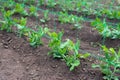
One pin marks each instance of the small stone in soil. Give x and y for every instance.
(5, 46)
(54, 66)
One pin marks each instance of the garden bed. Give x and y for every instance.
(20, 61)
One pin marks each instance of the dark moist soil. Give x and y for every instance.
(19, 61)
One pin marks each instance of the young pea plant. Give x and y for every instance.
(66, 18)
(66, 6)
(55, 45)
(61, 50)
(22, 30)
(36, 36)
(78, 7)
(107, 31)
(21, 21)
(77, 22)
(58, 48)
(50, 3)
(109, 63)
(41, 2)
(73, 60)
(116, 14)
(7, 5)
(46, 16)
(116, 32)
(19, 8)
(112, 14)
(7, 23)
(33, 10)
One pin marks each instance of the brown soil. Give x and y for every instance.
(19, 61)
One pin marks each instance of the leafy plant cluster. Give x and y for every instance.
(85, 7)
(62, 49)
(109, 63)
(66, 18)
(33, 11)
(7, 4)
(81, 6)
(34, 37)
(112, 14)
(18, 8)
(106, 30)
(7, 22)
(66, 50)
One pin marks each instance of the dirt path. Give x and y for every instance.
(10, 65)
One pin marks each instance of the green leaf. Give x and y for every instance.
(112, 51)
(42, 20)
(116, 78)
(77, 45)
(74, 64)
(33, 43)
(105, 49)
(95, 66)
(60, 34)
(46, 30)
(19, 26)
(119, 53)
(57, 55)
(106, 71)
(8, 13)
(66, 44)
(84, 55)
